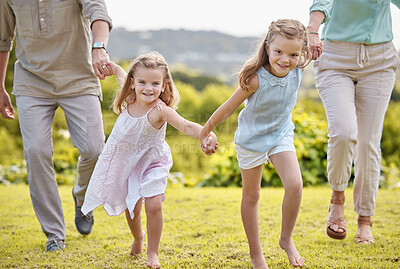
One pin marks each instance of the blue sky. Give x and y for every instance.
(240, 18)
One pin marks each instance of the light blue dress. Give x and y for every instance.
(267, 116)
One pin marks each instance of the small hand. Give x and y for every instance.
(209, 145)
(100, 63)
(315, 45)
(319, 48)
(113, 67)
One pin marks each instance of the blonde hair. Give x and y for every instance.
(291, 29)
(153, 60)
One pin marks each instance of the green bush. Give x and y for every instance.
(211, 98)
(188, 158)
(390, 176)
(225, 170)
(311, 145)
(390, 138)
(15, 173)
(197, 80)
(190, 101)
(11, 147)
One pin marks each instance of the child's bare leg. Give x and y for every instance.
(287, 166)
(251, 180)
(153, 206)
(135, 225)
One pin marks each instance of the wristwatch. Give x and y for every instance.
(99, 45)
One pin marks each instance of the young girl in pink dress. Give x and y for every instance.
(135, 163)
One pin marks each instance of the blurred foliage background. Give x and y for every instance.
(201, 95)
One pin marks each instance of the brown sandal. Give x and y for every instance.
(360, 239)
(340, 222)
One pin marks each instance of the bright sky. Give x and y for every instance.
(240, 18)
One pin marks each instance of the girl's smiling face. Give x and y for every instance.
(148, 84)
(283, 54)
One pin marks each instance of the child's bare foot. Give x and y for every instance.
(137, 245)
(152, 260)
(259, 263)
(294, 257)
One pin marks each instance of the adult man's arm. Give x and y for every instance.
(6, 108)
(7, 32)
(101, 25)
(100, 32)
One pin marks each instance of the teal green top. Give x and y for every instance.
(357, 21)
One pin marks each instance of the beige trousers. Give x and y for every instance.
(355, 82)
(85, 125)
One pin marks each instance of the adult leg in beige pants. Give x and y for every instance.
(355, 96)
(84, 120)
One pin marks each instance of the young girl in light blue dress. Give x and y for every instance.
(268, 85)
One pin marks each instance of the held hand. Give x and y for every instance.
(209, 144)
(100, 63)
(320, 48)
(112, 67)
(203, 141)
(6, 109)
(315, 45)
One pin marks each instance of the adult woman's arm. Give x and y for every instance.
(316, 18)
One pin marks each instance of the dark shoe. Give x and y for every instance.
(83, 223)
(54, 245)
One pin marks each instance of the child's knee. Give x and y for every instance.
(295, 186)
(153, 206)
(251, 197)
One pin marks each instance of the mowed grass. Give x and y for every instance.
(202, 229)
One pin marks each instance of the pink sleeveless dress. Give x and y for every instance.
(134, 164)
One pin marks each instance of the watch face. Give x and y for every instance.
(98, 44)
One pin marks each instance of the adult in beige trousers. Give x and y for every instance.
(354, 75)
(57, 63)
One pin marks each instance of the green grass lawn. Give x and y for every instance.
(202, 229)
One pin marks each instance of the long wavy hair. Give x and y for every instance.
(291, 29)
(153, 60)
